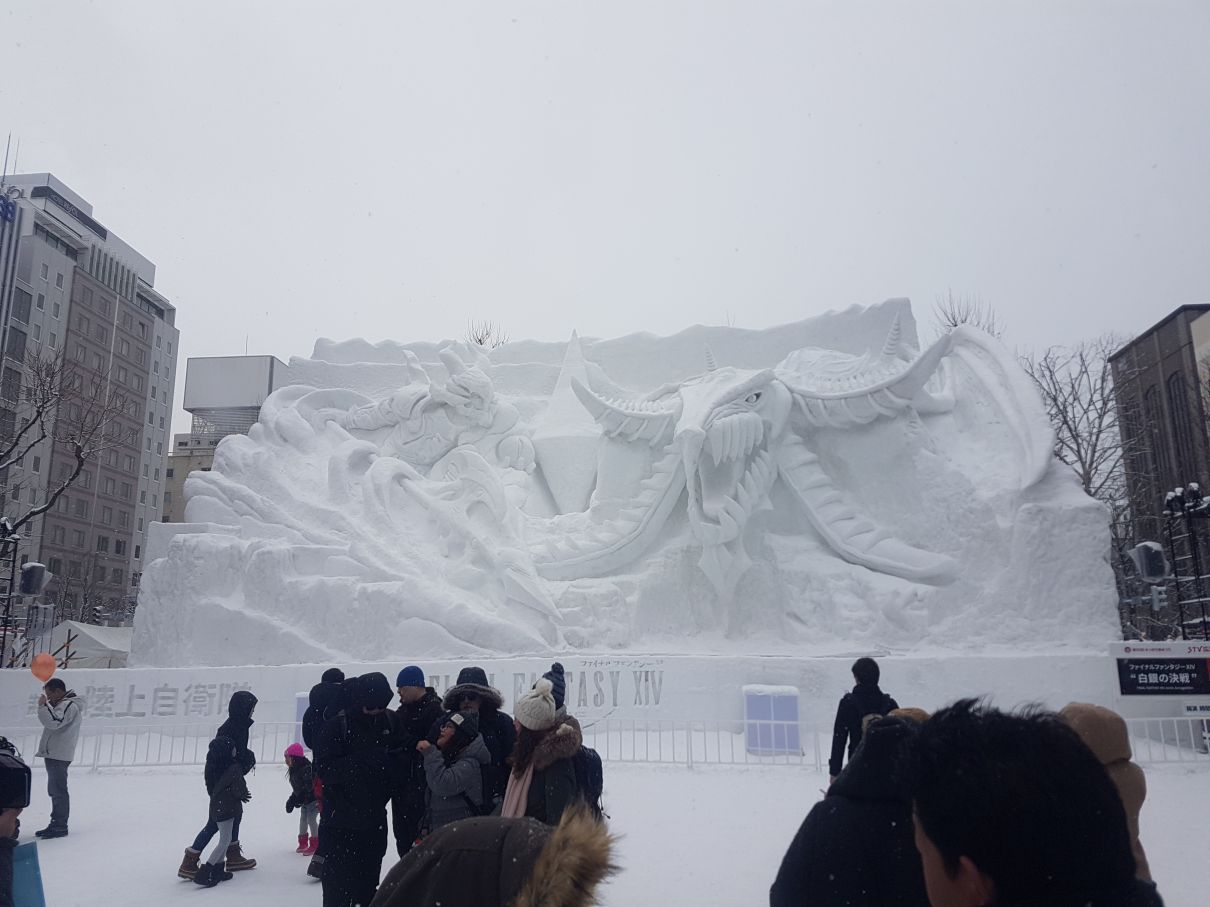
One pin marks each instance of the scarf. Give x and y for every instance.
(516, 795)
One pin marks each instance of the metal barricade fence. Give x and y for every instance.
(634, 740)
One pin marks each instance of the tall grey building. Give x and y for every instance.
(72, 288)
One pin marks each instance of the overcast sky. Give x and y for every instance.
(391, 170)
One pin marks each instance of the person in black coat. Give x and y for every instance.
(323, 702)
(856, 846)
(228, 792)
(235, 729)
(865, 699)
(352, 759)
(324, 697)
(472, 693)
(419, 709)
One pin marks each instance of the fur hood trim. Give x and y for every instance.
(562, 742)
(454, 696)
(575, 860)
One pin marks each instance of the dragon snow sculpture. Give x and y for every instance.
(723, 438)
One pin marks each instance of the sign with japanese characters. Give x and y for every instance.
(1164, 676)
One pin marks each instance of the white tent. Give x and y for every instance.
(77, 645)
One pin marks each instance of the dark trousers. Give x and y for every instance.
(211, 829)
(353, 864)
(56, 786)
(407, 811)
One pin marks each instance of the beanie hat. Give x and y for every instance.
(558, 685)
(536, 709)
(369, 691)
(465, 724)
(473, 675)
(411, 676)
(333, 675)
(295, 751)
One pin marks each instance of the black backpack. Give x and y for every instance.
(590, 778)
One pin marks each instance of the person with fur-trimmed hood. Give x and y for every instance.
(497, 862)
(542, 783)
(471, 693)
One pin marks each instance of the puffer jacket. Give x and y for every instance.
(856, 846)
(451, 785)
(1104, 732)
(229, 794)
(60, 727)
(553, 787)
(494, 862)
(239, 720)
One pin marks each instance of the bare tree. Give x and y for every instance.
(952, 310)
(488, 334)
(1076, 384)
(75, 408)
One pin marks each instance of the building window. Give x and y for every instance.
(45, 270)
(82, 508)
(77, 538)
(158, 342)
(124, 347)
(57, 536)
(169, 473)
(16, 344)
(10, 385)
(37, 464)
(55, 309)
(21, 305)
(140, 528)
(167, 499)
(103, 543)
(123, 519)
(134, 578)
(59, 279)
(146, 469)
(123, 375)
(107, 516)
(150, 417)
(138, 552)
(41, 301)
(54, 341)
(107, 485)
(126, 491)
(117, 576)
(161, 422)
(55, 565)
(119, 546)
(98, 574)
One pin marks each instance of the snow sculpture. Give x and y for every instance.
(854, 491)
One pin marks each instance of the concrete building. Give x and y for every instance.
(1160, 383)
(224, 395)
(77, 291)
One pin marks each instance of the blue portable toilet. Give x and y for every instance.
(771, 720)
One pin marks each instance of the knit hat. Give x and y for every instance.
(465, 724)
(333, 675)
(411, 676)
(558, 685)
(536, 709)
(295, 751)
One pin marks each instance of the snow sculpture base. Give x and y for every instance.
(816, 487)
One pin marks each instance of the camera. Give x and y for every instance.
(15, 778)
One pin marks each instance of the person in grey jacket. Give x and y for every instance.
(453, 770)
(60, 711)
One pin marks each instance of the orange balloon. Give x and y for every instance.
(43, 666)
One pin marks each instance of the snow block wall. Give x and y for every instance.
(818, 488)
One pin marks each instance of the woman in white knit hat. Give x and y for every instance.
(543, 779)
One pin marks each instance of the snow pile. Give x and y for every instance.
(820, 486)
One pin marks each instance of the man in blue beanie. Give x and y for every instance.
(419, 709)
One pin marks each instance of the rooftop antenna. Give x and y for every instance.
(17, 155)
(4, 175)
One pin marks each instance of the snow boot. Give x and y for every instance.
(302, 844)
(236, 859)
(315, 869)
(312, 844)
(206, 876)
(221, 875)
(189, 865)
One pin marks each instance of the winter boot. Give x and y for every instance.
(206, 876)
(236, 859)
(312, 843)
(302, 844)
(221, 875)
(315, 869)
(189, 865)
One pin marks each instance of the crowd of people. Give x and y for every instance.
(971, 807)
(968, 807)
(460, 775)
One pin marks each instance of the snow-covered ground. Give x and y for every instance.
(708, 836)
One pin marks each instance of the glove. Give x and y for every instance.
(290, 804)
(247, 796)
